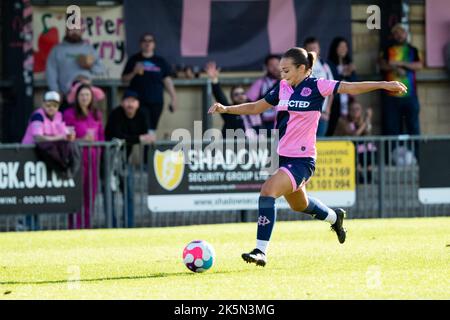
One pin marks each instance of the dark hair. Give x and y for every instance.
(270, 57)
(75, 82)
(300, 56)
(332, 54)
(351, 100)
(146, 34)
(309, 40)
(92, 108)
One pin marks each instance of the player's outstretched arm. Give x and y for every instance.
(246, 108)
(355, 88)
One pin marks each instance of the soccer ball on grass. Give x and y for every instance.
(198, 256)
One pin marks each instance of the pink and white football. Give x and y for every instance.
(198, 256)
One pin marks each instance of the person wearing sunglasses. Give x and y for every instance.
(149, 74)
(46, 123)
(238, 96)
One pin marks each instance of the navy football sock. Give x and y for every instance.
(320, 211)
(266, 221)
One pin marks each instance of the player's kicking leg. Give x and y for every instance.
(273, 188)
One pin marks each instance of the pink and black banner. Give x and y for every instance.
(236, 34)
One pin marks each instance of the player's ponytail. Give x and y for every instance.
(300, 57)
(312, 56)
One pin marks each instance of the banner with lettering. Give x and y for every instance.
(29, 186)
(232, 179)
(103, 28)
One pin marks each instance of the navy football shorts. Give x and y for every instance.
(299, 170)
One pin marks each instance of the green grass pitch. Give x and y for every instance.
(382, 259)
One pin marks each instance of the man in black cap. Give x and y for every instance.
(128, 122)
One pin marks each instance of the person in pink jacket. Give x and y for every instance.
(46, 123)
(87, 122)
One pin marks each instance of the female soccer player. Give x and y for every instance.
(298, 101)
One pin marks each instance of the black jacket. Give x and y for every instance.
(121, 127)
(64, 157)
(230, 121)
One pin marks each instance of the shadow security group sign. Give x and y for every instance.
(28, 186)
(232, 179)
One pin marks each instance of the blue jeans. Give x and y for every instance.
(128, 203)
(401, 115)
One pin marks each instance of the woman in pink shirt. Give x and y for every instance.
(46, 123)
(298, 101)
(87, 121)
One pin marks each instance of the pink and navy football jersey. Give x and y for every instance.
(298, 112)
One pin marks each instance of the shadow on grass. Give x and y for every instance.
(151, 276)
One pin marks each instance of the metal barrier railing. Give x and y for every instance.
(388, 179)
(387, 183)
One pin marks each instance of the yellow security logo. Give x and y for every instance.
(169, 168)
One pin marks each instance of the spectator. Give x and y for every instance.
(237, 95)
(99, 95)
(87, 121)
(46, 123)
(358, 123)
(343, 69)
(191, 72)
(399, 62)
(129, 123)
(321, 69)
(69, 59)
(263, 85)
(148, 74)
